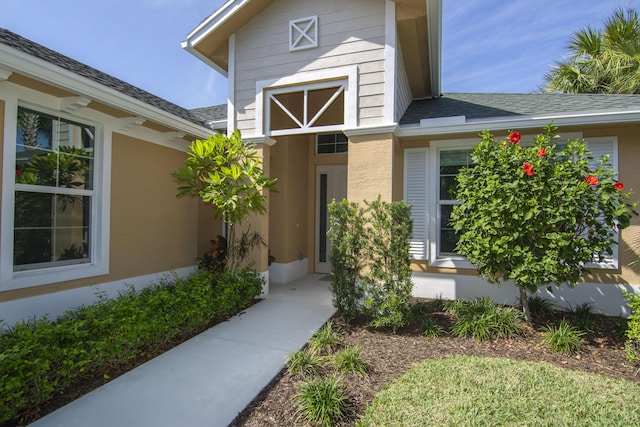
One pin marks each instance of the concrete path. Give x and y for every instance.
(209, 379)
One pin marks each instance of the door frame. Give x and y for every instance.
(332, 172)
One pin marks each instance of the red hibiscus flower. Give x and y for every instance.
(591, 180)
(17, 172)
(528, 168)
(618, 186)
(542, 152)
(514, 137)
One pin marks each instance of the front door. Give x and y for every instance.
(331, 183)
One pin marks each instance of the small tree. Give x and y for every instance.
(537, 215)
(227, 173)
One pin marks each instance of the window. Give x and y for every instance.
(331, 143)
(54, 191)
(450, 162)
(55, 203)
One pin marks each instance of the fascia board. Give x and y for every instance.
(42, 70)
(572, 119)
(434, 16)
(216, 19)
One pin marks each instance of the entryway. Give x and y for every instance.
(331, 183)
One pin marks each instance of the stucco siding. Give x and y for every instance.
(148, 223)
(350, 34)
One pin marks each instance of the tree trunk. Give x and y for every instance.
(524, 299)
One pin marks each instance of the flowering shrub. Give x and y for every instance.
(537, 215)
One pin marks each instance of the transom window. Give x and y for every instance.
(331, 143)
(54, 191)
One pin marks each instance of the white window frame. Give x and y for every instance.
(436, 259)
(303, 33)
(100, 206)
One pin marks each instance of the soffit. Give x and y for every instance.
(216, 30)
(413, 34)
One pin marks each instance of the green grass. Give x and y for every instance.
(482, 391)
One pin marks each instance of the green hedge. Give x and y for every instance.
(41, 358)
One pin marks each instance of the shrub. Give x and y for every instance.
(632, 344)
(482, 319)
(304, 363)
(350, 360)
(322, 400)
(537, 215)
(564, 338)
(40, 358)
(430, 329)
(540, 306)
(582, 316)
(346, 233)
(388, 276)
(326, 340)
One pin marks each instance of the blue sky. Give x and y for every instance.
(488, 45)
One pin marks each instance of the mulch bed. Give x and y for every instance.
(389, 355)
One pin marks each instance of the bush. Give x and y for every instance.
(322, 401)
(346, 233)
(304, 363)
(482, 319)
(326, 340)
(370, 261)
(564, 338)
(41, 357)
(350, 360)
(632, 344)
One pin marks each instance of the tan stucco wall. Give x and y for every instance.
(259, 258)
(629, 174)
(288, 206)
(148, 223)
(370, 171)
(208, 227)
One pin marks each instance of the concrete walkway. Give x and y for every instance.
(209, 379)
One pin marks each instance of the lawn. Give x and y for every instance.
(598, 369)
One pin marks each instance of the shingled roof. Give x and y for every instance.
(494, 105)
(27, 46)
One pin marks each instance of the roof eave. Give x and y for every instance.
(39, 69)
(524, 122)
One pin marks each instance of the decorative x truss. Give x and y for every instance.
(303, 33)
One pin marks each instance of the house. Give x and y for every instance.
(87, 197)
(343, 99)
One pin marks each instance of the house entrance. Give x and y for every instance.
(331, 183)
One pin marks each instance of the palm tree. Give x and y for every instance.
(601, 61)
